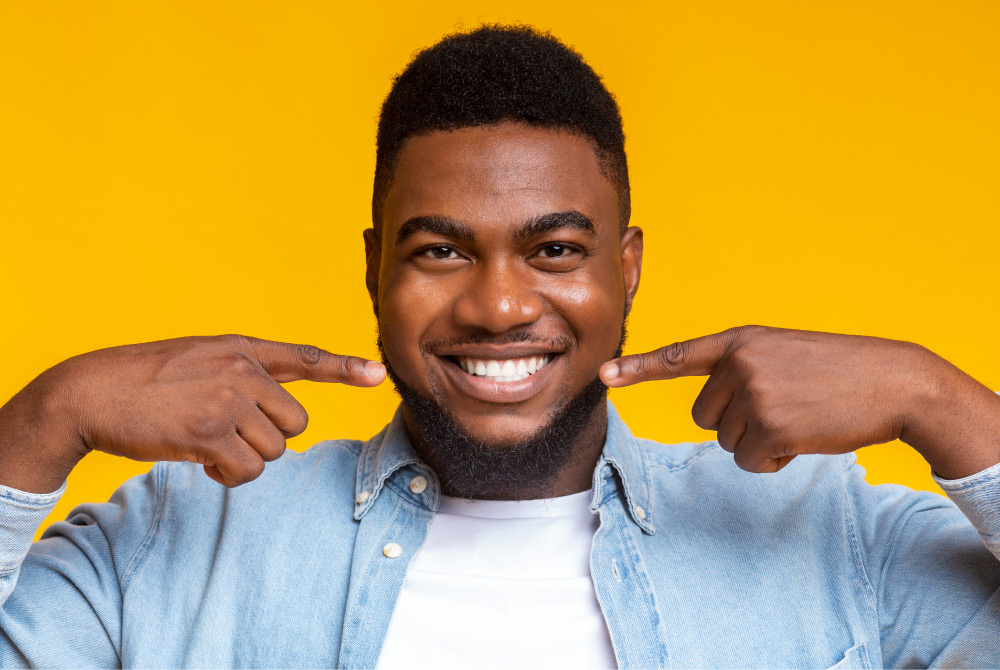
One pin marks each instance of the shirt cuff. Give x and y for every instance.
(21, 513)
(978, 496)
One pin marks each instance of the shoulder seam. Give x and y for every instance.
(353, 446)
(703, 449)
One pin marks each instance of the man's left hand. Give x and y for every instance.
(774, 394)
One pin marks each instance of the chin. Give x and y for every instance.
(502, 427)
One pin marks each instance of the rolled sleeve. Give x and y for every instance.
(978, 496)
(21, 513)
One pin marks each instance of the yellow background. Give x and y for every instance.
(180, 168)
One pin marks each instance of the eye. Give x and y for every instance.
(557, 257)
(439, 252)
(554, 251)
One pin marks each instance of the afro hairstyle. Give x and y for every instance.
(496, 74)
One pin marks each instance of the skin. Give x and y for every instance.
(489, 275)
(772, 394)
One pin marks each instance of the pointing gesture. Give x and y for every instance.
(217, 401)
(773, 394)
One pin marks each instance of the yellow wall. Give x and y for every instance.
(179, 168)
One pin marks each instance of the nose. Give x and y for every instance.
(498, 298)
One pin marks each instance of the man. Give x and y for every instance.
(505, 516)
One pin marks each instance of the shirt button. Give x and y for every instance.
(363, 497)
(640, 512)
(418, 484)
(392, 550)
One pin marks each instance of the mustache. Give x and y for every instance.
(513, 337)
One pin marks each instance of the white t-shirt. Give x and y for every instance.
(502, 584)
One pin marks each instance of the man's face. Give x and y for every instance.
(501, 253)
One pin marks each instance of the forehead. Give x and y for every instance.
(504, 174)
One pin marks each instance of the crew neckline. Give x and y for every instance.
(575, 504)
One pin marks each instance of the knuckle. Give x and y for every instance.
(742, 358)
(351, 364)
(248, 465)
(752, 460)
(298, 421)
(308, 355)
(700, 415)
(224, 396)
(253, 465)
(672, 355)
(697, 411)
(236, 340)
(275, 449)
(241, 365)
(757, 392)
(743, 460)
(784, 446)
(749, 330)
(247, 473)
(775, 425)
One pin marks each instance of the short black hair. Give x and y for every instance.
(494, 74)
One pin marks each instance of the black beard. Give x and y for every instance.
(518, 469)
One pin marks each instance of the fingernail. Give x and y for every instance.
(611, 371)
(374, 370)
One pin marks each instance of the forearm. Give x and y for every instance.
(38, 449)
(954, 423)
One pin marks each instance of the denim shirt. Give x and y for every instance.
(695, 564)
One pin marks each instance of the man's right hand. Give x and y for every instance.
(217, 401)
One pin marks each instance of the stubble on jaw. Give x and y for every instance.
(523, 468)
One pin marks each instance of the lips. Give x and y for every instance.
(503, 370)
(493, 386)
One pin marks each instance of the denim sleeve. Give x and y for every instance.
(933, 582)
(978, 496)
(62, 597)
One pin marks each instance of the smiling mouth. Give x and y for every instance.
(502, 370)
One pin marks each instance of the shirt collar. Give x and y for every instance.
(622, 456)
(381, 456)
(390, 450)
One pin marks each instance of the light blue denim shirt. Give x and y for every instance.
(696, 563)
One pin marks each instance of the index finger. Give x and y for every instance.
(690, 358)
(287, 362)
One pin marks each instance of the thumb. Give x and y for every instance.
(690, 358)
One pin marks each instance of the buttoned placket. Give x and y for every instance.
(395, 501)
(398, 495)
(621, 580)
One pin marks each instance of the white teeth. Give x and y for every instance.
(509, 370)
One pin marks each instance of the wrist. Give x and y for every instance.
(39, 444)
(953, 421)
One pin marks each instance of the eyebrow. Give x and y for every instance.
(554, 221)
(439, 225)
(457, 230)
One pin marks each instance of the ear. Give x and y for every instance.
(373, 262)
(631, 248)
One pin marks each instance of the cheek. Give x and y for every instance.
(593, 307)
(408, 307)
